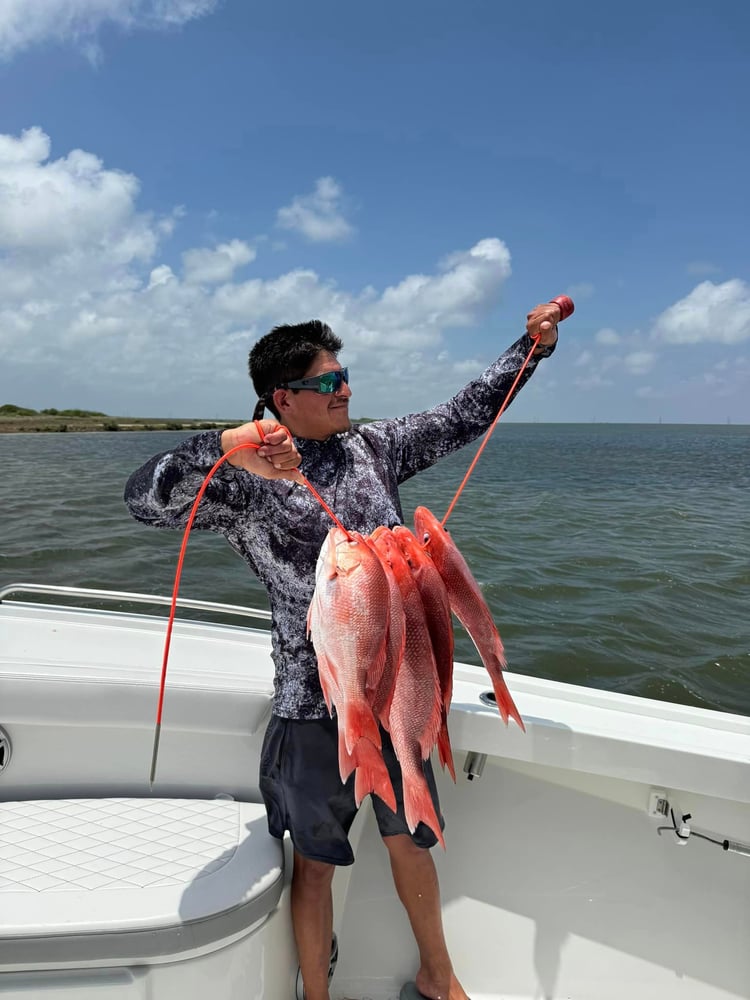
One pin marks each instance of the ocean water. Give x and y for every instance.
(611, 555)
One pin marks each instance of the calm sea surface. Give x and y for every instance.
(611, 555)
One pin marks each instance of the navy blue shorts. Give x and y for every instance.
(304, 794)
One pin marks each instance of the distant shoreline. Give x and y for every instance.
(40, 423)
(55, 424)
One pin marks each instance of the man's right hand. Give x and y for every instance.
(277, 456)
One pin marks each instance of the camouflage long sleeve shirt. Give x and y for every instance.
(278, 527)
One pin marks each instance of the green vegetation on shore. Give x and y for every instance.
(21, 419)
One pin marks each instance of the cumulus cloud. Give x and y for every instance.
(92, 291)
(69, 205)
(318, 216)
(710, 313)
(207, 266)
(25, 23)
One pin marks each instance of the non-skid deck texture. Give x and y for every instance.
(112, 843)
(131, 879)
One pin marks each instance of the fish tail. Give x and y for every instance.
(358, 722)
(444, 749)
(506, 705)
(372, 775)
(418, 806)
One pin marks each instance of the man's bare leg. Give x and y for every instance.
(312, 918)
(416, 882)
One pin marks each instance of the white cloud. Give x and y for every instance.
(160, 276)
(318, 216)
(470, 280)
(24, 23)
(67, 206)
(639, 362)
(89, 295)
(710, 313)
(206, 266)
(607, 336)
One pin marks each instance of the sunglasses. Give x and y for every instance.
(326, 383)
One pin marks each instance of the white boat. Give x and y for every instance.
(557, 882)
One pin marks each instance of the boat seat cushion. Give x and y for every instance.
(128, 879)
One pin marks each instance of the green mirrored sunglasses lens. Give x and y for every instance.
(329, 382)
(332, 381)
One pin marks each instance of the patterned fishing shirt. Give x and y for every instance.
(278, 527)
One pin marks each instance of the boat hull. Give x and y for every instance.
(555, 882)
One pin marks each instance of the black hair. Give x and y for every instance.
(285, 354)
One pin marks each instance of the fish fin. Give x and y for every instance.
(432, 729)
(326, 676)
(383, 698)
(418, 805)
(506, 705)
(347, 761)
(357, 721)
(377, 668)
(444, 749)
(372, 775)
(383, 701)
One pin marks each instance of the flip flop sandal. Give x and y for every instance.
(409, 991)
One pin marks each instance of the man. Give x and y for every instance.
(278, 527)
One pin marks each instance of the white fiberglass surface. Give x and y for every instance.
(555, 892)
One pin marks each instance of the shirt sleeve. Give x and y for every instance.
(163, 491)
(417, 441)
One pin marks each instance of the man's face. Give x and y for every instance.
(315, 415)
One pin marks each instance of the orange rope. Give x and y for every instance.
(326, 508)
(178, 575)
(488, 435)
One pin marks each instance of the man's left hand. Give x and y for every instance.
(542, 321)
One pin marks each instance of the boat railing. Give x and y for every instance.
(14, 590)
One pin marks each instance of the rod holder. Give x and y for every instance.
(474, 764)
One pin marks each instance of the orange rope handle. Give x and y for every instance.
(306, 481)
(488, 435)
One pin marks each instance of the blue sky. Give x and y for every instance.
(177, 176)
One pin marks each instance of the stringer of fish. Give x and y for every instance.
(380, 623)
